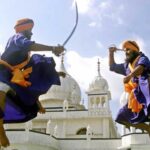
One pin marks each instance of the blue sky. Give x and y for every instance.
(101, 23)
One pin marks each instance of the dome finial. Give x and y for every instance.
(62, 67)
(62, 58)
(98, 64)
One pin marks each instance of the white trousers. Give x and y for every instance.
(4, 87)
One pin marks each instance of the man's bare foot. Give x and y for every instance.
(3, 138)
(147, 128)
(143, 127)
(127, 125)
(42, 110)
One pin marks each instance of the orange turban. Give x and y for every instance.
(24, 24)
(131, 45)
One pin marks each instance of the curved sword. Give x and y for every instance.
(74, 28)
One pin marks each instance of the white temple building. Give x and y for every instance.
(68, 125)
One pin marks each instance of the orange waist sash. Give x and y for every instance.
(19, 74)
(133, 103)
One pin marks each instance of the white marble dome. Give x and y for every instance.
(99, 83)
(69, 89)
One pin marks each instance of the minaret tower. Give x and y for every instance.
(98, 101)
(98, 92)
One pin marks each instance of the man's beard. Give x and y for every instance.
(27, 34)
(131, 57)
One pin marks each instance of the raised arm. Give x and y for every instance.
(111, 55)
(118, 68)
(57, 50)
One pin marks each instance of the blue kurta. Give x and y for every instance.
(23, 106)
(142, 92)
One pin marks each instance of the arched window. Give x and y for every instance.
(103, 101)
(97, 101)
(81, 131)
(91, 102)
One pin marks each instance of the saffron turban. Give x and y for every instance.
(131, 45)
(23, 24)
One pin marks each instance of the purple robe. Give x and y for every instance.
(23, 106)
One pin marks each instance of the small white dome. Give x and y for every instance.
(99, 84)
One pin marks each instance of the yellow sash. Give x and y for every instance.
(19, 74)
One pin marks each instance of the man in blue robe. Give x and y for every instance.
(23, 78)
(136, 69)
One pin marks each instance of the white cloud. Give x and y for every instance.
(1, 49)
(82, 69)
(104, 5)
(110, 11)
(98, 11)
(92, 24)
(84, 5)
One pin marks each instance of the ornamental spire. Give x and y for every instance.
(98, 69)
(62, 67)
